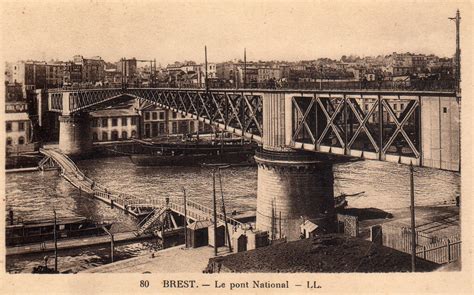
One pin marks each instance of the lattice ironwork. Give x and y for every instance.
(357, 124)
(232, 110)
(384, 125)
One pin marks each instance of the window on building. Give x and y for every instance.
(124, 121)
(105, 136)
(154, 115)
(134, 133)
(9, 141)
(95, 136)
(21, 126)
(147, 116)
(114, 121)
(154, 129)
(94, 123)
(21, 140)
(366, 107)
(134, 121)
(147, 130)
(105, 122)
(394, 106)
(402, 107)
(191, 127)
(161, 128)
(9, 126)
(174, 115)
(445, 110)
(162, 115)
(124, 134)
(174, 127)
(114, 136)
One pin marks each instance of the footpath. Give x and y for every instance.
(171, 260)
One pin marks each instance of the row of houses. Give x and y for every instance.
(122, 122)
(95, 71)
(126, 122)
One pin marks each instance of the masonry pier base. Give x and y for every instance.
(74, 135)
(293, 187)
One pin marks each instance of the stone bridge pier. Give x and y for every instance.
(293, 186)
(74, 134)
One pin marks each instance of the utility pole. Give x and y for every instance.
(457, 19)
(245, 68)
(412, 211)
(214, 167)
(215, 209)
(185, 221)
(205, 65)
(55, 244)
(223, 210)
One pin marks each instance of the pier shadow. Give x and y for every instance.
(367, 213)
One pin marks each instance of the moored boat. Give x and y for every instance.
(38, 231)
(194, 154)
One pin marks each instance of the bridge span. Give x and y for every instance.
(300, 131)
(150, 209)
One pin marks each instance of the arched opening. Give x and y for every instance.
(21, 140)
(134, 134)
(9, 141)
(95, 136)
(105, 136)
(124, 134)
(114, 135)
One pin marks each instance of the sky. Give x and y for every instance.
(269, 30)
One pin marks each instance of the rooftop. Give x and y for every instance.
(328, 253)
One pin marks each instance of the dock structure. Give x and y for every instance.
(150, 208)
(74, 243)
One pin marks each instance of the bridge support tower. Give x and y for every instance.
(292, 186)
(74, 134)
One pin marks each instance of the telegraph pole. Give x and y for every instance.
(245, 68)
(223, 209)
(457, 19)
(185, 221)
(412, 211)
(55, 244)
(205, 65)
(214, 208)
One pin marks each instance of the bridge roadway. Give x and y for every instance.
(133, 205)
(419, 127)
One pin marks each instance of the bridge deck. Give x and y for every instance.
(133, 205)
(403, 126)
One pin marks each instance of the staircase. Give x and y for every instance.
(155, 215)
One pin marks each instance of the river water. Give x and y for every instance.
(34, 195)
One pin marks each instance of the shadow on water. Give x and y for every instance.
(367, 213)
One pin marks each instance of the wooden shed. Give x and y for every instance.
(197, 233)
(220, 235)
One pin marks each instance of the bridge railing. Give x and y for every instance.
(325, 84)
(71, 172)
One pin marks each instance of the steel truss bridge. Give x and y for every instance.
(419, 127)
